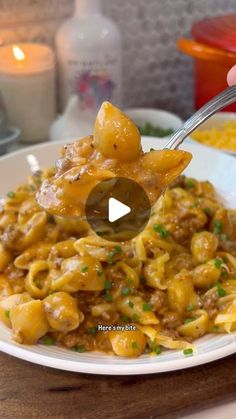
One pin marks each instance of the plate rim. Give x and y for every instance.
(110, 368)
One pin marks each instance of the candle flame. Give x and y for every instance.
(18, 53)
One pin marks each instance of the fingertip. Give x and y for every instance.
(231, 76)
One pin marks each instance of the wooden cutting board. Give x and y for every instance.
(32, 391)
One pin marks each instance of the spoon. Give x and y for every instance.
(225, 98)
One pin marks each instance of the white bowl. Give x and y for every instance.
(157, 117)
(207, 163)
(217, 121)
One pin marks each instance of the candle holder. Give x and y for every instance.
(27, 82)
(8, 135)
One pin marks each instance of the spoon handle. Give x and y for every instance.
(225, 98)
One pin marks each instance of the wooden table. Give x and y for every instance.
(32, 391)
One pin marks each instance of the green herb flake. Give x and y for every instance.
(125, 319)
(157, 350)
(92, 330)
(7, 314)
(117, 249)
(190, 307)
(100, 272)
(218, 262)
(80, 348)
(84, 269)
(161, 229)
(152, 149)
(48, 340)
(125, 290)
(214, 329)
(100, 233)
(188, 320)
(151, 130)
(189, 183)
(32, 188)
(188, 351)
(11, 194)
(130, 304)
(221, 291)
(147, 307)
(207, 211)
(107, 297)
(218, 225)
(135, 317)
(134, 345)
(108, 285)
(142, 279)
(224, 237)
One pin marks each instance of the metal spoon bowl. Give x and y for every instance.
(225, 98)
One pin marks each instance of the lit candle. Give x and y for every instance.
(27, 83)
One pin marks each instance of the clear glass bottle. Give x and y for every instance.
(89, 59)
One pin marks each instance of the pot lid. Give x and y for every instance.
(218, 32)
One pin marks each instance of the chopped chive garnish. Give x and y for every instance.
(142, 278)
(134, 345)
(190, 307)
(214, 329)
(48, 340)
(125, 290)
(218, 263)
(157, 350)
(207, 211)
(85, 269)
(108, 284)
(147, 307)
(152, 149)
(11, 194)
(188, 351)
(117, 249)
(218, 225)
(107, 297)
(135, 317)
(224, 237)
(7, 314)
(161, 229)
(189, 183)
(188, 320)
(221, 291)
(100, 272)
(92, 331)
(131, 305)
(125, 319)
(80, 348)
(100, 233)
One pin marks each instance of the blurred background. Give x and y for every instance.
(155, 74)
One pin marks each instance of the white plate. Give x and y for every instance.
(209, 164)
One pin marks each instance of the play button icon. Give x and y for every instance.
(117, 209)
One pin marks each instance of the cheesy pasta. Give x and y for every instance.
(62, 284)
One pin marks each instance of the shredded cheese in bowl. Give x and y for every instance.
(223, 137)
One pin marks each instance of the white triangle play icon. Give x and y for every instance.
(117, 210)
